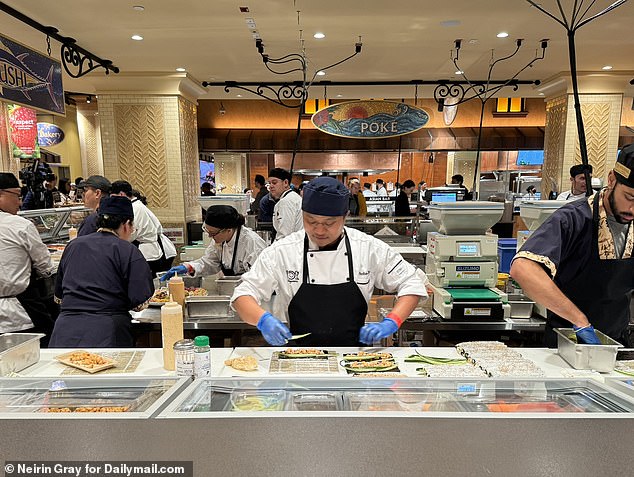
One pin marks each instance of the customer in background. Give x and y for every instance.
(64, 191)
(357, 206)
(25, 263)
(76, 194)
(401, 205)
(381, 191)
(94, 189)
(367, 190)
(577, 183)
(531, 193)
(233, 250)
(157, 249)
(206, 189)
(99, 279)
(267, 206)
(459, 180)
(287, 214)
(260, 185)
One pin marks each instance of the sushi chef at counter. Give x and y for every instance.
(324, 277)
(579, 264)
(233, 250)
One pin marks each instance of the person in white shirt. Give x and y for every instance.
(367, 190)
(287, 214)
(226, 227)
(24, 261)
(158, 250)
(531, 193)
(324, 277)
(577, 183)
(381, 191)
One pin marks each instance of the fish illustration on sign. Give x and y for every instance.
(370, 119)
(17, 76)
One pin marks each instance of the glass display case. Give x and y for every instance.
(121, 397)
(53, 224)
(365, 397)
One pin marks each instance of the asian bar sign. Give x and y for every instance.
(30, 78)
(370, 119)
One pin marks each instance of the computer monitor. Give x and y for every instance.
(444, 196)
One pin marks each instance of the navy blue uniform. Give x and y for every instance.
(100, 278)
(89, 225)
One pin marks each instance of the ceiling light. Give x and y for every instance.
(137, 37)
(459, 72)
(319, 35)
(541, 94)
(238, 96)
(339, 95)
(502, 34)
(607, 67)
(180, 69)
(321, 73)
(88, 99)
(138, 8)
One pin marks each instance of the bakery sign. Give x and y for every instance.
(49, 134)
(370, 119)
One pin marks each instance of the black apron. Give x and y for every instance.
(601, 291)
(334, 314)
(228, 272)
(37, 301)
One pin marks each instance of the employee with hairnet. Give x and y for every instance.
(324, 277)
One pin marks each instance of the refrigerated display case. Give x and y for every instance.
(53, 224)
(102, 397)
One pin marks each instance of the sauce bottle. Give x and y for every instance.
(72, 233)
(171, 331)
(176, 287)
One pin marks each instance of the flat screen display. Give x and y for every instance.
(468, 249)
(443, 196)
(530, 158)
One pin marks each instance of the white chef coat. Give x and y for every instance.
(21, 249)
(382, 192)
(287, 214)
(368, 193)
(146, 230)
(250, 245)
(569, 196)
(279, 268)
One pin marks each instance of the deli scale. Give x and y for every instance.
(462, 261)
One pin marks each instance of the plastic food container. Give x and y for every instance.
(583, 356)
(255, 401)
(18, 351)
(326, 401)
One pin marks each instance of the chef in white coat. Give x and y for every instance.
(226, 227)
(324, 277)
(287, 214)
(23, 259)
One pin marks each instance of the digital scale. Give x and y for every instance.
(462, 261)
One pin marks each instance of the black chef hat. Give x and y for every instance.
(116, 205)
(624, 167)
(579, 169)
(326, 196)
(8, 181)
(223, 217)
(281, 174)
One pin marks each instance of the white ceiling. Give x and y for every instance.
(402, 40)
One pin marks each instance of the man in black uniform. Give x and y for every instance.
(579, 264)
(93, 190)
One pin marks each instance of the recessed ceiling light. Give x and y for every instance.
(459, 72)
(138, 8)
(339, 95)
(319, 35)
(541, 94)
(137, 37)
(238, 96)
(180, 69)
(502, 34)
(607, 67)
(321, 73)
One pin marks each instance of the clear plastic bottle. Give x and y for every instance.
(202, 357)
(184, 357)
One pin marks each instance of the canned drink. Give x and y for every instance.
(184, 357)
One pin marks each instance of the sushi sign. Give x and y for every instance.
(370, 119)
(30, 78)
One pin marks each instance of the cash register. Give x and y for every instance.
(462, 261)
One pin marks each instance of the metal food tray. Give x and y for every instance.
(18, 351)
(584, 356)
(202, 307)
(521, 306)
(226, 285)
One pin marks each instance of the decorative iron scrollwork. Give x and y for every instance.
(289, 95)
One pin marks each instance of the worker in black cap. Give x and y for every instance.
(233, 250)
(24, 263)
(579, 264)
(93, 190)
(101, 277)
(324, 277)
(577, 183)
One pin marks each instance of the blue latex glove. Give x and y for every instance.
(586, 335)
(177, 270)
(373, 332)
(274, 331)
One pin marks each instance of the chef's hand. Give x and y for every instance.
(373, 332)
(177, 270)
(274, 331)
(586, 335)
